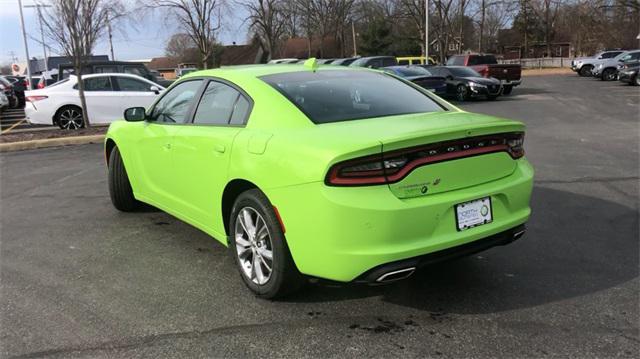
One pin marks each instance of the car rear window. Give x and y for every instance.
(332, 96)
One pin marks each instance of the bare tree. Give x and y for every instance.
(200, 19)
(267, 20)
(182, 48)
(75, 26)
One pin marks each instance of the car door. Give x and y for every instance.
(153, 148)
(102, 101)
(202, 151)
(135, 92)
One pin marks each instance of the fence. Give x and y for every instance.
(540, 62)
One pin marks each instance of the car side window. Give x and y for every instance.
(240, 111)
(130, 84)
(102, 83)
(133, 70)
(388, 62)
(174, 106)
(220, 105)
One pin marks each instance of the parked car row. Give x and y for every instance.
(465, 76)
(610, 65)
(8, 90)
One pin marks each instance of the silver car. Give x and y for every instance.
(607, 70)
(584, 65)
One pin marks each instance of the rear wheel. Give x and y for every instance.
(260, 249)
(119, 186)
(462, 93)
(585, 71)
(70, 118)
(507, 90)
(608, 75)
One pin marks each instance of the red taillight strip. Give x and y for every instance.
(335, 180)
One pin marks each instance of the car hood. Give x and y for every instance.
(483, 80)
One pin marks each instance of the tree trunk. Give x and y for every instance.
(83, 101)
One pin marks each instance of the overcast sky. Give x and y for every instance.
(144, 39)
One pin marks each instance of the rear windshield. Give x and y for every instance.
(338, 95)
(464, 72)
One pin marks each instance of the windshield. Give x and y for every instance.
(411, 71)
(464, 72)
(339, 95)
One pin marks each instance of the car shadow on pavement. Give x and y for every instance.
(575, 245)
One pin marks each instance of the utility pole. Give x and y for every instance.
(113, 58)
(426, 32)
(44, 46)
(353, 35)
(24, 38)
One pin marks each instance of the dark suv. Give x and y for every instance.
(122, 67)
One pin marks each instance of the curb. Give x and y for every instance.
(50, 142)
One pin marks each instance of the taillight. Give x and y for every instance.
(41, 84)
(26, 83)
(391, 167)
(35, 98)
(484, 71)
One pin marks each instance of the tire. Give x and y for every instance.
(608, 75)
(585, 71)
(69, 118)
(119, 186)
(492, 97)
(462, 93)
(507, 90)
(636, 80)
(252, 209)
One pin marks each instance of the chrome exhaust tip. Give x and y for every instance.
(518, 234)
(396, 275)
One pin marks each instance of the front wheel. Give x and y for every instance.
(119, 186)
(260, 249)
(462, 93)
(585, 71)
(608, 75)
(70, 118)
(507, 90)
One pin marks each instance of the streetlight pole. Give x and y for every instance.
(24, 38)
(426, 32)
(44, 46)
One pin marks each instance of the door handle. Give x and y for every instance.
(167, 146)
(219, 148)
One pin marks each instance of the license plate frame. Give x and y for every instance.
(473, 213)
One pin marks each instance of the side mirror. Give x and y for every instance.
(135, 114)
(155, 89)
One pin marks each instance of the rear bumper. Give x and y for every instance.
(34, 116)
(340, 233)
(380, 274)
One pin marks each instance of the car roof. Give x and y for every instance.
(254, 71)
(110, 74)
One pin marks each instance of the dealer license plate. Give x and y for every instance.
(473, 213)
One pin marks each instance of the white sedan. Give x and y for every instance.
(107, 96)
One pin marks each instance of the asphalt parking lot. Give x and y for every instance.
(79, 279)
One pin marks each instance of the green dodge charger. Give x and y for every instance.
(306, 171)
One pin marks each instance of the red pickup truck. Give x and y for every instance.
(487, 66)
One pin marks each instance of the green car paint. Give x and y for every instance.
(333, 232)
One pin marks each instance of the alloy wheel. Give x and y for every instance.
(609, 75)
(253, 246)
(70, 119)
(461, 93)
